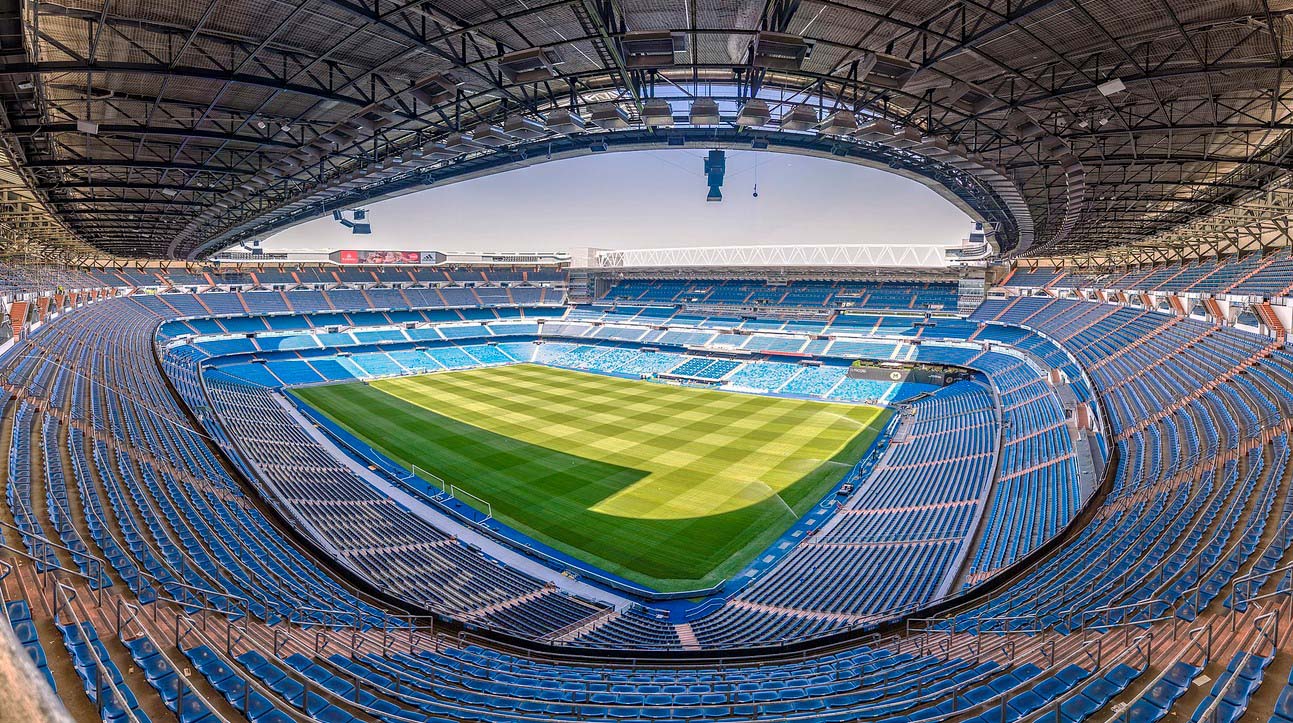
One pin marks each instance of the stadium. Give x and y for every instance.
(1038, 474)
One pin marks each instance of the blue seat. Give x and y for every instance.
(1163, 693)
(17, 610)
(1143, 711)
(1079, 707)
(1252, 667)
(333, 714)
(1100, 690)
(37, 655)
(155, 668)
(1224, 712)
(1181, 674)
(254, 705)
(314, 703)
(141, 648)
(1051, 688)
(1026, 702)
(1121, 675)
(230, 686)
(288, 688)
(193, 710)
(26, 632)
(1240, 690)
(201, 655)
(976, 696)
(215, 671)
(1284, 703)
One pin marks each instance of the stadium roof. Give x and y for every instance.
(776, 257)
(1071, 126)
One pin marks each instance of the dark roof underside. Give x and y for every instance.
(219, 119)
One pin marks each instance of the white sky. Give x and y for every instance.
(646, 199)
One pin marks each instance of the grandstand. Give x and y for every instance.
(1039, 476)
(1082, 427)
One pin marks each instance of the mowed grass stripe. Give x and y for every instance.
(672, 487)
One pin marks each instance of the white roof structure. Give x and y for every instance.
(815, 256)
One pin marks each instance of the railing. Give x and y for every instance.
(1247, 588)
(23, 689)
(1267, 629)
(319, 644)
(63, 597)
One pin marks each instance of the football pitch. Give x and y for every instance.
(672, 487)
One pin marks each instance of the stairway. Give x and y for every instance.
(480, 612)
(686, 636)
(1268, 317)
(1214, 309)
(583, 627)
(18, 317)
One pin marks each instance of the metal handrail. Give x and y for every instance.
(63, 595)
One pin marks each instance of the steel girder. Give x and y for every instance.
(263, 108)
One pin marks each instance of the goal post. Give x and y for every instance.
(433, 480)
(443, 490)
(485, 507)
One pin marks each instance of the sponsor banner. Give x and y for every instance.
(385, 258)
(935, 375)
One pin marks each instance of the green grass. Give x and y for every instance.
(672, 487)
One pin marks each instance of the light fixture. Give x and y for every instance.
(490, 135)
(908, 137)
(521, 127)
(531, 65)
(877, 130)
(754, 113)
(839, 123)
(609, 117)
(657, 113)
(800, 118)
(779, 51)
(564, 120)
(704, 112)
(460, 143)
(434, 150)
(645, 49)
(1111, 86)
(933, 147)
